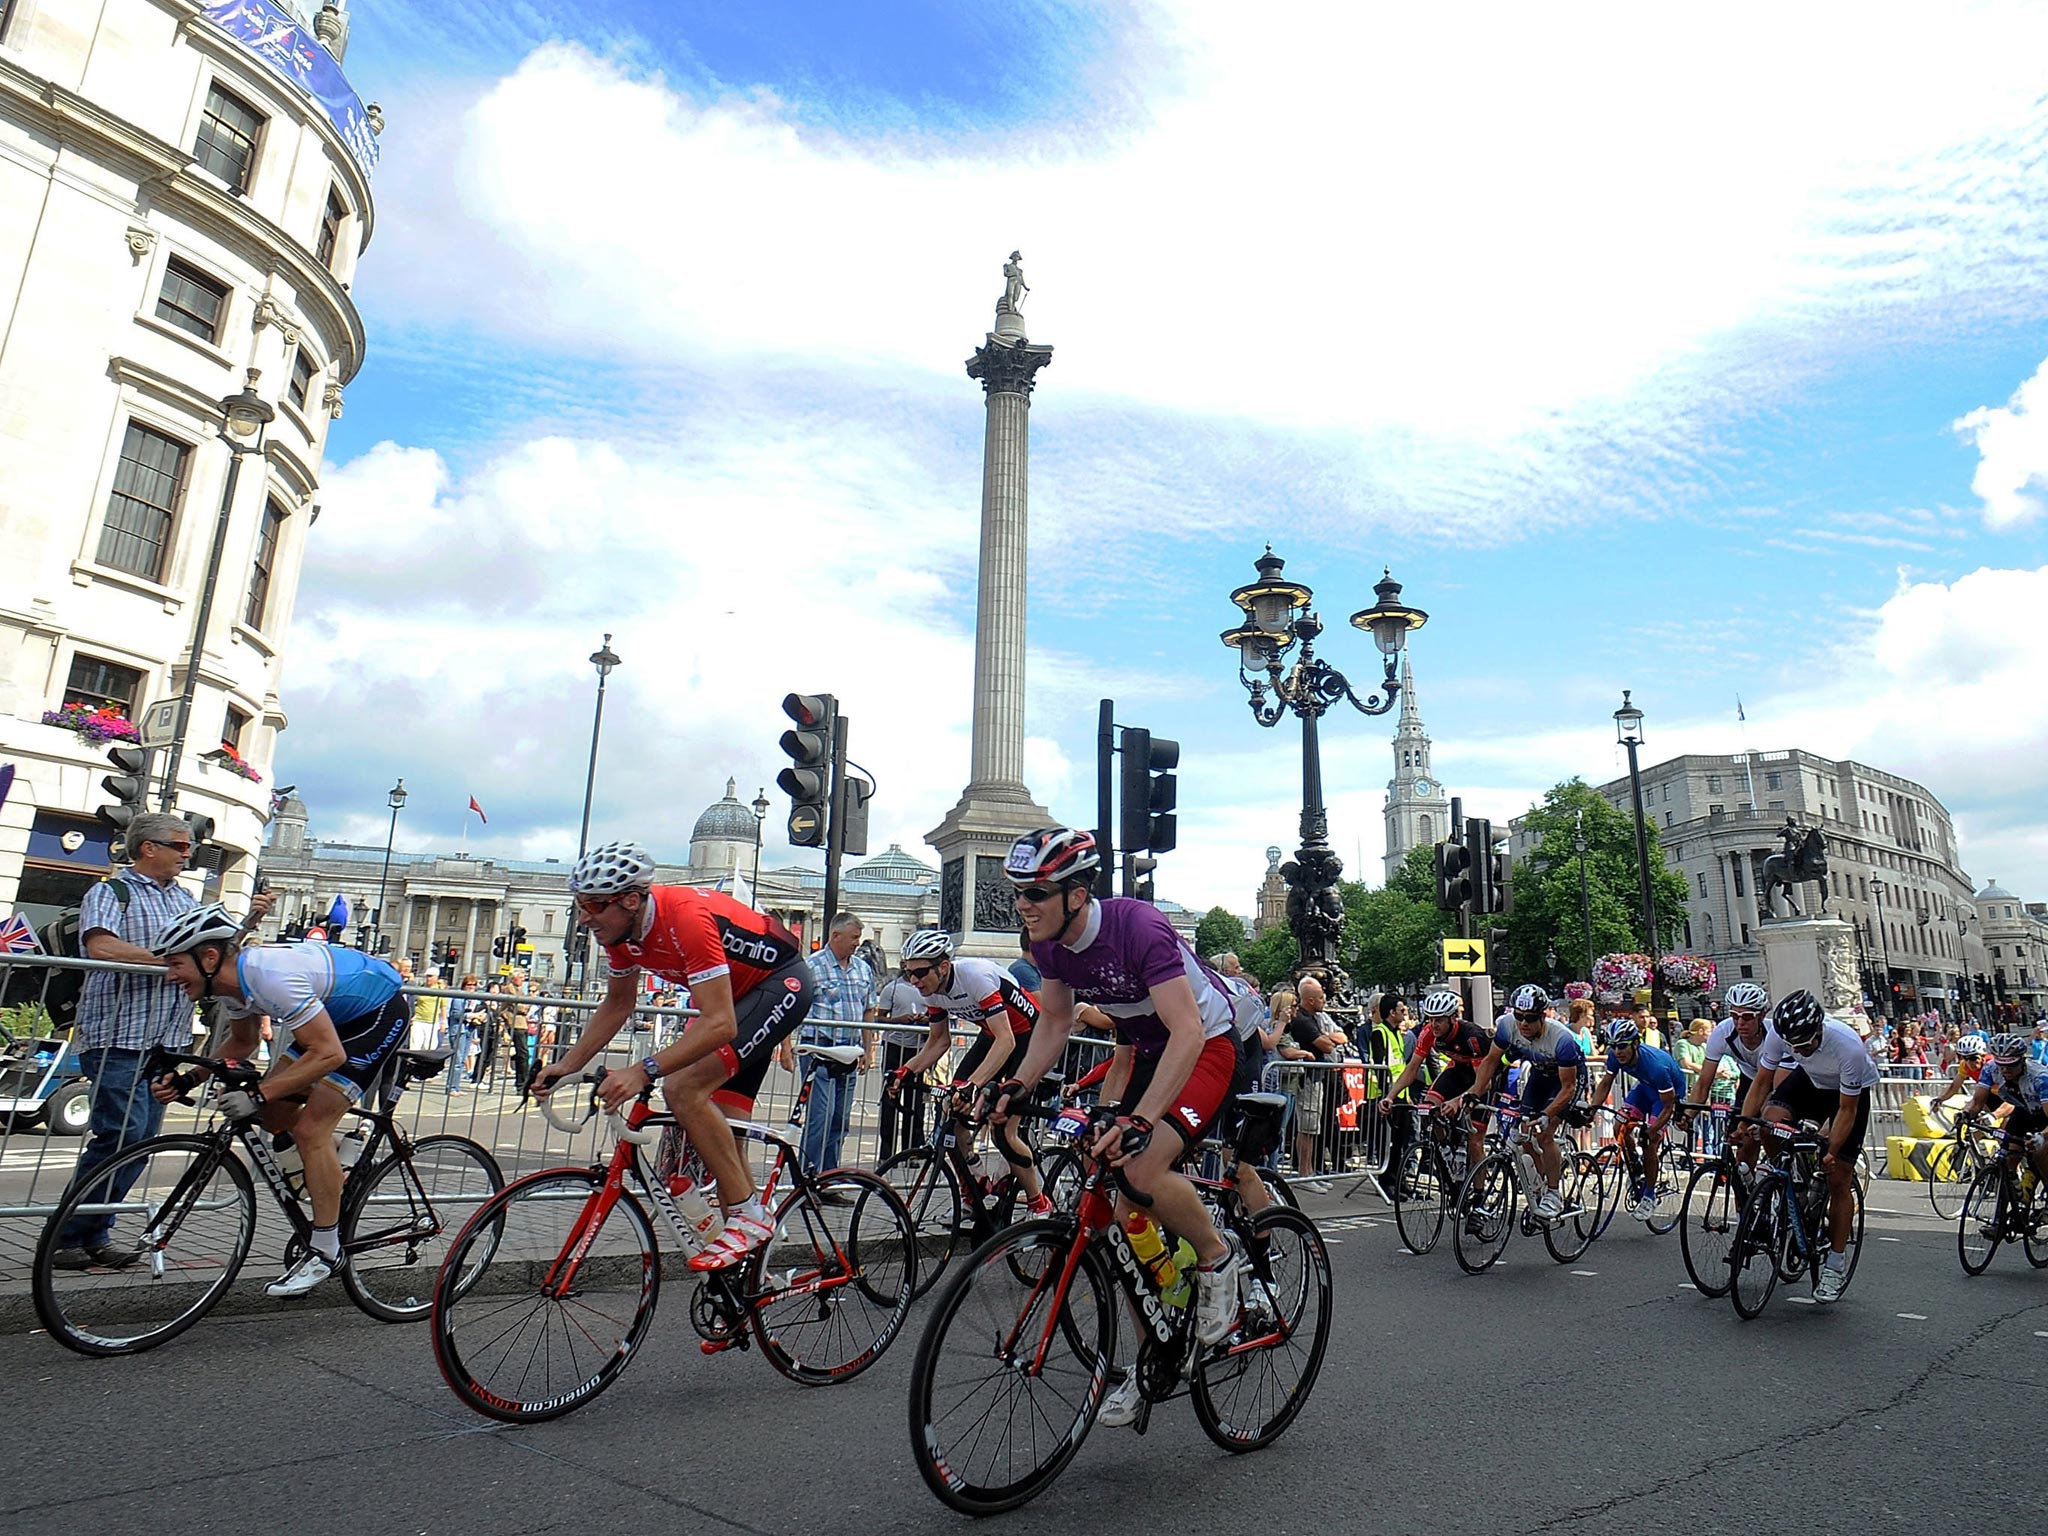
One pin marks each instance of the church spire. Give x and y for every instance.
(1411, 718)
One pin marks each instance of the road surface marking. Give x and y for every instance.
(1914, 1317)
(1891, 1239)
(1587, 1272)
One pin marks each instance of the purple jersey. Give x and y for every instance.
(1124, 949)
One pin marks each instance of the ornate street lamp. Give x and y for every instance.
(1281, 672)
(396, 800)
(606, 662)
(760, 815)
(1628, 730)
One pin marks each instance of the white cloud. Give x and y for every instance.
(2012, 441)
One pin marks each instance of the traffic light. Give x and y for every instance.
(1479, 863)
(854, 838)
(1453, 877)
(202, 831)
(1500, 881)
(1146, 818)
(1138, 869)
(128, 784)
(808, 779)
(498, 946)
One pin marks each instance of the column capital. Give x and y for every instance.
(1007, 368)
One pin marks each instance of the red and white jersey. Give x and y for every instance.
(695, 935)
(980, 988)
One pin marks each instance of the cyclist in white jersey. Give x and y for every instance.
(1740, 1035)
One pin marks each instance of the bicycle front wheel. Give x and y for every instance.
(1421, 1194)
(1669, 1193)
(1486, 1215)
(521, 1333)
(1706, 1228)
(1981, 1226)
(828, 1293)
(2036, 1231)
(399, 1225)
(1249, 1390)
(1581, 1190)
(1008, 1376)
(187, 1205)
(1753, 1263)
(924, 1181)
(1951, 1170)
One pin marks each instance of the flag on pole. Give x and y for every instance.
(18, 938)
(480, 816)
(1738, 708)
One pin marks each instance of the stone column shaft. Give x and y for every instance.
(998, 756)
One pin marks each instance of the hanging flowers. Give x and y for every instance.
(1686, 973)
(1617, 978)
(1573, 990)
(96, 723)
(232, 760)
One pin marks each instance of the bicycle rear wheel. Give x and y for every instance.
(1669, 1193)
(2036, 1218)
(924, 1181)
(1753, 1261)
(513, 1342)
(1579, 1188)
(1706, 1230)
(1981, 1226)
(187, 1203)
(1061, 1172)
(1420, 1198)
(1008, 1376)
(399, 1225)
(1951, 1170)
(1486, 1215)
(1248, 1391)
(827, 1294)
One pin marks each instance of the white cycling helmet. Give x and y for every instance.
(210, 924)
(612, 870)
(1439, 1004)
(928, 944)
(1972, 1045)
(1748, 997)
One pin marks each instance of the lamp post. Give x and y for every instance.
(1585, 891)
(1280, 624)
(243, 419)
(1628, 730)
(760, 815)
(606, 661)
(396, 800)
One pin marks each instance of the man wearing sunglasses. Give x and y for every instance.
(1740, 1035)
(1550, 1082)
(750, 986)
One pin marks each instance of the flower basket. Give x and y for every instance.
(232, 761)
(1687, 974)
(1574, 990)
(1617, 978)
(96, 723)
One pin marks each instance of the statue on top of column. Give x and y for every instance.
(1014, 286)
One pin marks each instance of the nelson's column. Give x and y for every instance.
(975, 900)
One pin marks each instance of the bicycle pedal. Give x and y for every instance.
(716, 1346)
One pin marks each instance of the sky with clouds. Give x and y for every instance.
(1694, 350)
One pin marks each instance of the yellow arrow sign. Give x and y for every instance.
(1464, 957)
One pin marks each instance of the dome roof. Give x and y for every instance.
(1993, 891)
(727, 821)
(895, 865)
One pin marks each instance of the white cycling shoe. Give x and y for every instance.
(1120, 1407)
(1216, 1301)
(310, 1271)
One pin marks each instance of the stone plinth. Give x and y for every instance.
(1813, 954)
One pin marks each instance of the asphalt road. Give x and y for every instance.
(1529, 1399)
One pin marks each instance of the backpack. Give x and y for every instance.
(58, 989)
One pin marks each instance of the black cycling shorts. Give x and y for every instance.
(768, 1014)
(977, 1053)
(1807, 1100)
(2023, 1121)
(1455, 1079)
(369, 1038)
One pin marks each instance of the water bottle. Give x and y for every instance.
(1180, 1290)
(348, 1146)
(1149, 1244)
(990, 1167)
(701, 1216)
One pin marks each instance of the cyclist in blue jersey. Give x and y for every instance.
(1550, 1081)
(1659, 1083)
(2011, 1078)
(346, 1015)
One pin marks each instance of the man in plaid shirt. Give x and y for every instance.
(845, 998)
(123, 1015)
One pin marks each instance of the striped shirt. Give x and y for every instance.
(845, 994)
(121, 1010)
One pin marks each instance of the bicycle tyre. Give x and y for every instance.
(1753, 1261)
(2035, 1236)
(1855, 1248)
(1981, 1226)
(1486, 1214)
(1603, 1180)
(1060, 1174)
(925, 1183)
(1670, 1196)
(1706, 1229)
(980, 1303)
(1951, 1171)
(856, 1254)
(1264, 1271)
(529, 1225)
(441, 1181)
(1568, 1239)
(1421, 1195)
(83, 1309)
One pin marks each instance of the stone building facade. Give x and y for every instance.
(2015, 938)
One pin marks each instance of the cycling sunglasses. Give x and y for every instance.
(918, 973)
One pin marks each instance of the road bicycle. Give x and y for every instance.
(1022, 1341)
(1783, 1230)
(1430, 1177)
(1618, 1168)
(188, 1203)
(1955, 1162)
(1715, 1192)
(1501, 1194)
(572, 1270)
(2005, 1203)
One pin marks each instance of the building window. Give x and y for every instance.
(94, 682)
(149, 482)
(1735, 860)
(1745, 933)
(1701, 876)
(300, 389)
(1428, 830)
(1713, 783)
(265, 564)
(192, 301)
(1667, 818)
(547, 922)
(232, 727)
(1774, 781)
(330, 228)
(226, 144)
(1774, 805)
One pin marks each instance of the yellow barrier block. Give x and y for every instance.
(1919, 1158)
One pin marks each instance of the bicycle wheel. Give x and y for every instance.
(1571, 1237)
(399, 1224)
(1060, 1174)
(1601, 1190)
(1981, 1226)
(1669, 1193)
(188, 1204)
(828, 1292)
(1706, 1230)
(1008, 1377)
(2036, 1228)
(1249, 1390)
(924, 1181)
(513, 1343)
(1421, 1194)
(1486, 1215)
(1855, 1248)
(1753, 1260)
(1951, 1170)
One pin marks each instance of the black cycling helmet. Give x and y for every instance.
(1529, 998)
(1799, 1018)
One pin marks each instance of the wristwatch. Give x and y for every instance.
(652, 1068)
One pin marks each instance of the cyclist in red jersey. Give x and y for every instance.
(1445, 1029)
(750, 987)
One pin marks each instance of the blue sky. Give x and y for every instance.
(1638, 352)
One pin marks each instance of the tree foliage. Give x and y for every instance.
(1270, 956)
(1218, 931)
